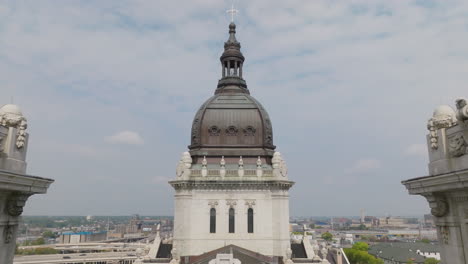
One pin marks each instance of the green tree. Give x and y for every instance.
(327, 236)
(425, 240)
(410, 261)
(362, 246)
(431, 261)
(48, 234)
(39, 241)
(312, 226)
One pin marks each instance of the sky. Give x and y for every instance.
(110, 89)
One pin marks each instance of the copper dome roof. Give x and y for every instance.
(232, 123)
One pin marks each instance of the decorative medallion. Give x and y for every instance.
(457, 145)
(232, 131)
(214, 131)
(249, 131)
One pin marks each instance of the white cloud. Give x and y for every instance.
(416, 150)
(364, 165)
(125, 137)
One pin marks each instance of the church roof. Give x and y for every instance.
(231, 123)
(242, 254)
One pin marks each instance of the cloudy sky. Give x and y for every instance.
(110, 89)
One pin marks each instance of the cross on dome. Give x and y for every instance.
(232, 11)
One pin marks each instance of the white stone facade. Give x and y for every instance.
(266, 195)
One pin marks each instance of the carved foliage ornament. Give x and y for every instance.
(214, 131)
(457, 145)
(232, 131)
(17, 121)
(249, 131)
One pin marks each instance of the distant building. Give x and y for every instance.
(82, 237)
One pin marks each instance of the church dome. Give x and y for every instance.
(232, 123)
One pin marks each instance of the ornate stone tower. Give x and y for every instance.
(446, 186)
(231, 187)
(15, 185)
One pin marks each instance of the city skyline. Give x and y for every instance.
(123, 81)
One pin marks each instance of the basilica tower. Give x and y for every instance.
(231, 186)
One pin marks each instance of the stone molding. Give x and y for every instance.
(11, 181)
(231, 185)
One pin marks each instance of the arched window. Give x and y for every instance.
(213, 220)
(250, 220)
(231, 220)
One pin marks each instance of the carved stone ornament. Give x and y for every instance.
(436, 123)
(439, 207)
(213, 203)
(232, 131)
(231, 203)
(462, 109)
(184, 165)
(214, 131)
(250, 203)
(8, 234)
(283, 168)
(14, 118)
(249, 131)
(457, 145)
(180, 168)
(15, 204)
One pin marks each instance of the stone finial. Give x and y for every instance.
(222, 170)
(204, 170)
(241, 167)
(11, 116)
(259, 167)
(462, 109)
(279, 165)
(443, 117)
(184, 165)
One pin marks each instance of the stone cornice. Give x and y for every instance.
(231, 185)
(16, 182)
(437, 183)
